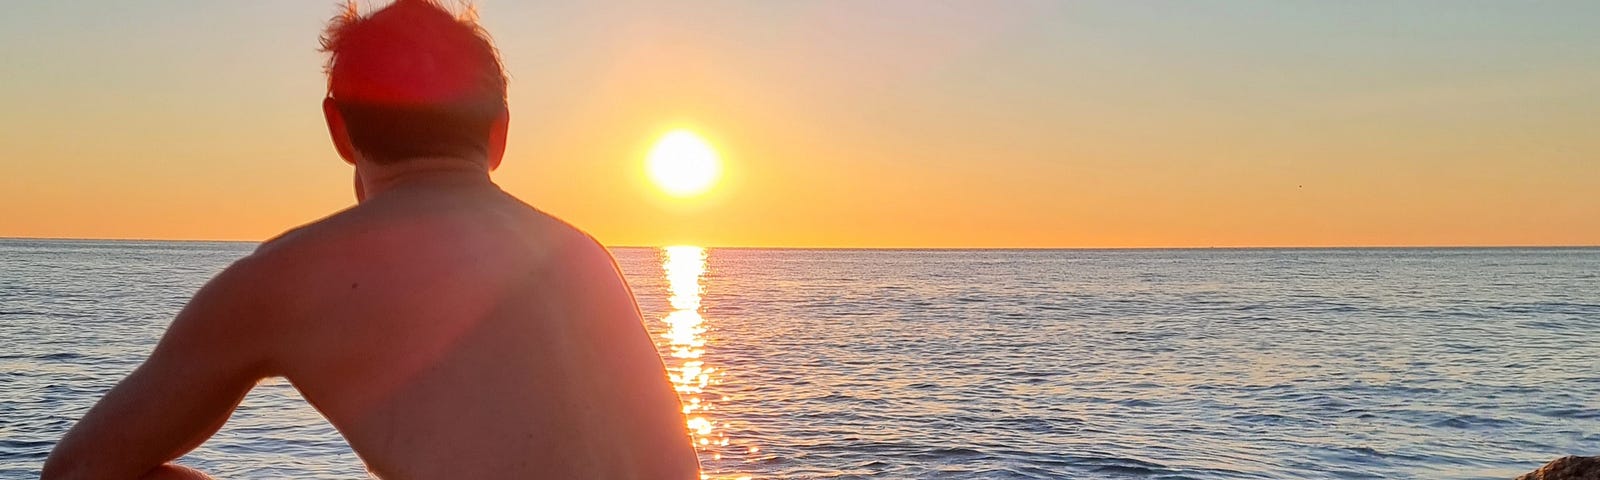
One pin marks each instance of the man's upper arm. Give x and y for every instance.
(214, 352)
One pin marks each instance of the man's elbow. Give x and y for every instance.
(61, 466)
(69, 465)
(66, 467)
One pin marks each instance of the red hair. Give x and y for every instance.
(412, 79)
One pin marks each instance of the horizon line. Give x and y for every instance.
(771, 247)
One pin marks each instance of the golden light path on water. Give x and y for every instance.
(685, 266)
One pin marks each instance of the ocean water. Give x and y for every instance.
(1204, 364)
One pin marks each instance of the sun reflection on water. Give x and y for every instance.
(685, 266)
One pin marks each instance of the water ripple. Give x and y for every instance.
(1200, 364)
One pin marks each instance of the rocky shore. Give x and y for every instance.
(1567, 468)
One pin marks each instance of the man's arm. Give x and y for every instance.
(210, 357)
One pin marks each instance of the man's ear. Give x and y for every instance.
(497, 138)
(336, 129)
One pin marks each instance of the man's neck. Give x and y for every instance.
(442, 172)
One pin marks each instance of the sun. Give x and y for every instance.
(682, 164)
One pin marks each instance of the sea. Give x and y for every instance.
(1457, 363)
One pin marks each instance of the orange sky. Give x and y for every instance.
(891, 124)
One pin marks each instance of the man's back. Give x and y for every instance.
(453, 332)
(445, 328)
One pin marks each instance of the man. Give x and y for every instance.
(446, 329)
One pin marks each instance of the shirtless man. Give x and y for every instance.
(446, 329)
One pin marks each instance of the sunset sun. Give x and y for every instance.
(682, 164)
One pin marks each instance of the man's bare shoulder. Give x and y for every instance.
(394, 240)
(305, 242)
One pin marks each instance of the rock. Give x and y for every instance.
(1567, 468)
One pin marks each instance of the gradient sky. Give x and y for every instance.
(857, 124)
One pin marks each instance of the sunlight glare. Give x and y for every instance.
(682, 164)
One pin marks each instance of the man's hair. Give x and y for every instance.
(414, 80)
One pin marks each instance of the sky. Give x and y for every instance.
(857, 124)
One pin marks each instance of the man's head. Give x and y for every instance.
(413, 81)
